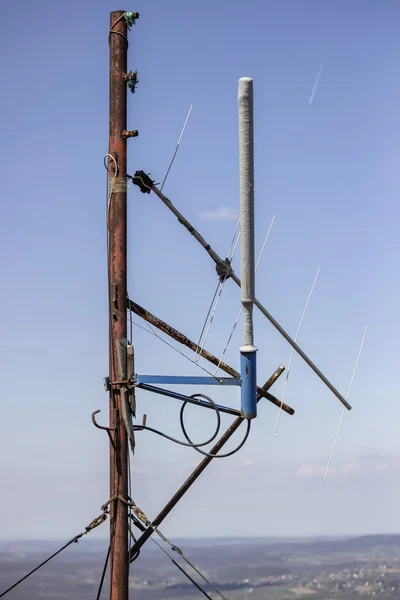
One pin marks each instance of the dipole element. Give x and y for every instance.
(246, 165)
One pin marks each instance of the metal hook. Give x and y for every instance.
(108, 429)
(96, 424)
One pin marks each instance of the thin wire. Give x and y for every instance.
(130, 516)
(130, 321)
(197, 354)
(189, 562)
(232, 247)
(292, 351)
(110, 31)
(109, 193)
(347, 398)
(73, 540)
(178, 566)
(130, 507)
(220, 287)
(108, 202)
(241, 310)
(151, 331)
(177, 148)
(236, 243)
(191, 445)
(182, 570)
(103, 575)
(118, 20)
(199, 350)
(189, 442)
(227, 454)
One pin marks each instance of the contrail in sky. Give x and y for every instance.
(316, 82)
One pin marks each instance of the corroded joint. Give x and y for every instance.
(224, 270)
(117, 385)
(130, 18)
(131, 80)
(143, 181)
(128, 134)
(96, 522)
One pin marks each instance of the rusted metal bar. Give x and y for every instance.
(198, 470)
(117, 254)
(185, 341)
(149, 185)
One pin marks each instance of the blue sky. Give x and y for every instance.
(328, 170)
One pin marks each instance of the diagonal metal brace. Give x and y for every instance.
(185, 341)
(218, 261)
(197, 472)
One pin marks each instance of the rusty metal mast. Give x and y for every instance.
(117, 285)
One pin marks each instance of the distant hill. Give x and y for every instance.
(364, 544)
(275, 545)
(380, 546)
(268, 566)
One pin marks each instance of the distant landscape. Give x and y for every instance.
(248, 569)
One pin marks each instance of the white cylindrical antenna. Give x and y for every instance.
(246, 162)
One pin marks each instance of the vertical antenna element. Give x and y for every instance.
(177, 148)
(344, 410)
(246, 165)
(292, 351)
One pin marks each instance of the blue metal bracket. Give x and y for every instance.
(178, 380)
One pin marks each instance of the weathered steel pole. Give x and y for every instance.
(117, 254)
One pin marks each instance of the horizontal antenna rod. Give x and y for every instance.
(198, 471)
(185, 341)
(147, 184)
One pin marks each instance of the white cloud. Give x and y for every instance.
(364, 465)
(223, 213)
(309, 471)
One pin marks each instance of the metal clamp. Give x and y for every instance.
(117, 385)
(129, 134)
(143, 181)
(97, 521)
(131, 80)
(224, 270)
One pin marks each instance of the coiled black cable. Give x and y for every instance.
(189, 443)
